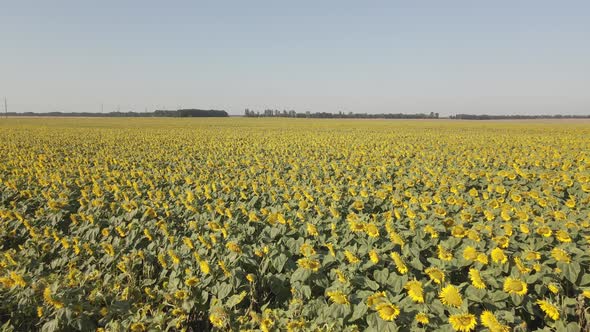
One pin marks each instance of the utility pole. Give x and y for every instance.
(5, 108)
(101, 108)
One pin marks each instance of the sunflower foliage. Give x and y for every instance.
(274, 225)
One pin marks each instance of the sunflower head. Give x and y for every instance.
(489, 320)
(435, 274)
(387, 311)
(498, 256)
(463, 322)
(515, 286)
(415, 291)
(476, 279)
(376, 299)
(450, 296)
(560, 255)
(422, 318)
(549, 309)
(337, 297)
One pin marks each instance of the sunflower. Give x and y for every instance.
(422, 318)
(458, 231)
(463, 322)
(330, 247)
(476, 279)
(340, 275)
(532, 256)
(395, 238)
(293, 326)
(309, 264)
(266, 324)
(560, 255)
(372, 230)
(40, 312)
(356, 226)
(204, 266)
(181, 294)
(376, 299)
(489, 320)
(17, 279)
(450, 296)
(137, 327)
(544, 231)
(415, 291)
(515, 286)
(232, 246)
(373, 256)
(218, 317)
(108, 248)
(563, 236)
(192, 281)
(498, 256)
(399, 263)
(430, 230)
(47, 296)
(147, 234)
(444, 254)
(502, 241)
(337, 297)
(553, 288)
(473, 235)
(312, 230)
(482, 258)
(350, 257)
(470, 253)
(306, 250)
(435, 274)
(358, 205)
(387, 311)
(549, 309)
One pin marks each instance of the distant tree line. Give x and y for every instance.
(515, 117)
(192, 113)
(182, 113)
(339, 115)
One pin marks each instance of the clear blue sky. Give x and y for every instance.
(495, 57)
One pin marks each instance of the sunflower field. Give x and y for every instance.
(294, 225)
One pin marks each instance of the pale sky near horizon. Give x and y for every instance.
(492, 57)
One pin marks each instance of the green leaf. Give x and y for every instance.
(498, 296)
(516, 299)
(50, 326)
(223, 290)
(300, 274)
(381, 276)
(475, 294)
(571, 272)
(573, 327)
(359, 311)
(415, 263)
(235, 299)
(368, 283)
(7, 327)
(305, 291)
(373, 320)
(339, 310)
(279, 262)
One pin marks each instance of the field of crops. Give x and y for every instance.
(293, 225)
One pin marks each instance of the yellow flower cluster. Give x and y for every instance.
(293, 224)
